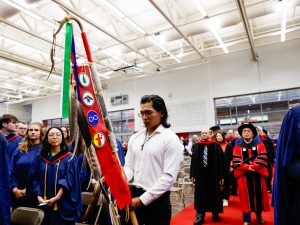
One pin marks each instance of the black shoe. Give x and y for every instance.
(198, 222)
(259, 220)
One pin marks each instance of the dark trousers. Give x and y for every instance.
(52, 217)
(233, 184)
(158, 212)
(269, 178)
(226, 186)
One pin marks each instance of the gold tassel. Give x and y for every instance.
(55, 207)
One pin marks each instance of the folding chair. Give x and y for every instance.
(27, 216)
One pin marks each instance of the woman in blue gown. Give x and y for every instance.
(21, 190)
(56, 180)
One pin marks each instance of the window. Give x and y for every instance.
(265, 109)
(123, 123)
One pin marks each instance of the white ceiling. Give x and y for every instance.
(121, 34)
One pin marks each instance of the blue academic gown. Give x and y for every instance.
(120, 152)
(61, 172)
(85, 172)
(13, 142)
(21, 174)
(286, 187)
(4, 183)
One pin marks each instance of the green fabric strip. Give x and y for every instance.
(67, 72)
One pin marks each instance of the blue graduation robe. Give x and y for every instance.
(21, 173)
(4, 183)
(286, 187)
(59, 171)
(85, 172)
(13, 142)
(120, 152)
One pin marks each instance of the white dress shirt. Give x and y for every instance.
(155, 167)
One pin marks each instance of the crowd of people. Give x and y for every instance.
(38, 169)
(221, 160)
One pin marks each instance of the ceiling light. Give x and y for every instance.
(108, 73)
(33, 82)
(113, 8)
(26, 46)
(115, 57)
(102, 75)
(11, 96)
(283, 20)
(134, 25)
(164, 48)
(123, 16)
(6, 77)
(217, 36)
(16, 64)
(11, 87)
(201, 8)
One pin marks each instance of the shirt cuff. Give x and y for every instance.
(146, 198)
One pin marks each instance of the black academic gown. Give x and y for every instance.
(4, 183)
(208, 196)
(286, 192)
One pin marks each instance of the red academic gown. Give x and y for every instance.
(251, 185)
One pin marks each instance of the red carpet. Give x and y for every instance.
(231, 216)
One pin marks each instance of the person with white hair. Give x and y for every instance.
(194, 140)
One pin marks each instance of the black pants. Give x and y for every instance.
(158, 212)
(226, 186)
(52, 217)
(233, 184)
(269, 178)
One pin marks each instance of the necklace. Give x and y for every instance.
(147, 138)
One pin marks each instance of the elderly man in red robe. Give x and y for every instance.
(250, 168)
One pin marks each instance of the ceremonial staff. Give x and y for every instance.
(92, 116)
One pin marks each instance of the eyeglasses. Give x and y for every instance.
(55, 135)
(146, 113)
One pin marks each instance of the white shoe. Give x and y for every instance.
(225, 202)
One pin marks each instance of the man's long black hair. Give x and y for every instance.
(159, 105)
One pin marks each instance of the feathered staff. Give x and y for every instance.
(92, 117)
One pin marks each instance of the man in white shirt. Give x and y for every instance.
(152, 163)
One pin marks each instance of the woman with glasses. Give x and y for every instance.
(23, 158)
(56, 180)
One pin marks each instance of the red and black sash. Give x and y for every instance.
(11, 136)
(56, 158)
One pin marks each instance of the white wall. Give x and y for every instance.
(231, 74)
(46, 108)
(22, 112)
